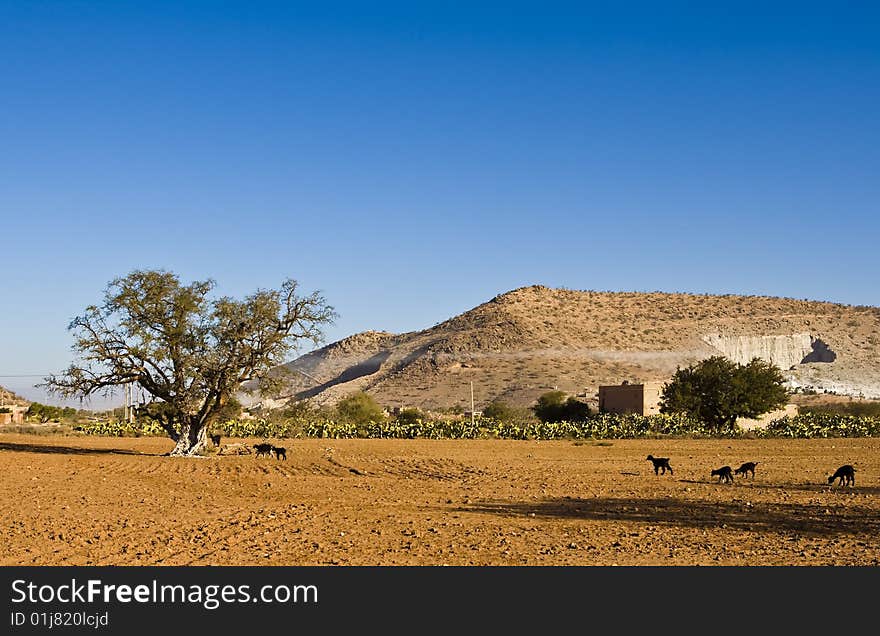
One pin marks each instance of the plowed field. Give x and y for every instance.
(116, 501)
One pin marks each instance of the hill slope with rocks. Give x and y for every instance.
(7, 397)
(534, 339)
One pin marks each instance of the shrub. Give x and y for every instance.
(554, 407)
(359, 409)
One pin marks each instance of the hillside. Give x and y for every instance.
(7, 397)
(533, 339)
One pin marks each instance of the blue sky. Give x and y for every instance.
(412, 160)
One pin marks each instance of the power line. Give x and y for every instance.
(24, 375)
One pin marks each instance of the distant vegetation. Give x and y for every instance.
(359, 409)
(856, 409)
(719, 391)
(553, 406)
(321, 424)
(360, 416)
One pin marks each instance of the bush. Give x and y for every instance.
(857, 409)
(554, 407)
(501, 412)
(823, 425)
(409, 417)
(359, 409)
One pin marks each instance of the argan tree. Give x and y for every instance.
(189, 351)
(718, 391)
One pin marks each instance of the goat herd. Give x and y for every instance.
(846, 474)
(262, 449)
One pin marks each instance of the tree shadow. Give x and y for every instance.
(64, 450)
(817, 487)
(807, 519)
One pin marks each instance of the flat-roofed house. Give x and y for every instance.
(641, 399)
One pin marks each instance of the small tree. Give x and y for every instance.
(500, 412)
(409, 416)
(718, 391)
(359, 408)
(190, 352)
(44, 413)
(554, 407)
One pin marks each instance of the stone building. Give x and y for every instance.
(12, 414)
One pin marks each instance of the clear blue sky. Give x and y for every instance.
(413, 160)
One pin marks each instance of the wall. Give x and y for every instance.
(789, 410)
(17, 415)
(622, 398)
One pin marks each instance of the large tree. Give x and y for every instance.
(191, 352)
(718, 391)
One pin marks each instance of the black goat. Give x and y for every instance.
(263, 449)
(748, 467)
(846, 474)
(280, 452)
(725, 474)
(660, 463)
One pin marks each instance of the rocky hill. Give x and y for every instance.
(530, 340)
(7, 398)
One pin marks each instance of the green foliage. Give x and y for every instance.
(409, 417)
(554, 407)
(4, 409)
(718, 391)
(114, 428)
(865, 408)
(231, 410)
(601, 426)
(823, 425)
(359, 409)
(501, 412)
(45, 413)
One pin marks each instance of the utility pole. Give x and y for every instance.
(128, 403)
(125, 402)
(472, 403)
(131, 403)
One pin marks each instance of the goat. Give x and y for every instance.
(263, 449)
(748, 467)
(846, 474)
(280, 452)
(215, 440)
(725, 474)
(660, 462)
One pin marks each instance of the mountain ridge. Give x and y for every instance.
(528, 340)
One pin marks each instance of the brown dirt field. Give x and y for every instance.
(113, 501)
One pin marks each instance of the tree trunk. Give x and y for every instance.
(192, 440)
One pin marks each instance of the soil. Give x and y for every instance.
(118, 501)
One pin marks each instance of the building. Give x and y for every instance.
(789, 410)
(12, 414)
(641, 399)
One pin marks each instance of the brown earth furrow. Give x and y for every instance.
(112, 501)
